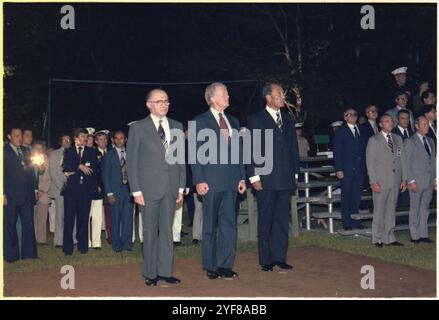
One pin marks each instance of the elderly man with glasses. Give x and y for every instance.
(350, 165)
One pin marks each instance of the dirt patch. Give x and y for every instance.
(318, 272)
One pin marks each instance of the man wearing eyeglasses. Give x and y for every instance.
(157, 186)
(350, 167)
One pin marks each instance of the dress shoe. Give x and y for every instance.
(282, 265)
(227, 273)
(378, 245)
(347, 228)
(426, 240)
(211, 274)
(183, 234)
(151, 282)
(129, 249)
(68, 253)
(266, 267)
(97, 248)
(195, 241)
(360, 227)
(395, 244)
(83, 252)
(169, 279)
(415, 241)
(58, 246)
(177, 243)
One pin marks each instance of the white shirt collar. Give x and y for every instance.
(402, 129)
(216, 113)
(102, 150)
(273, 113)
(385, 134)
(420, 136)
(119, 150)
(372, 122)
(156, 120)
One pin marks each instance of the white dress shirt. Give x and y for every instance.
(217, 118)
(401, 129)
(352, 127)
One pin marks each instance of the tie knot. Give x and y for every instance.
(160, 121)
(80, 148)
(220, 115)
(388, 136)
(423, 138)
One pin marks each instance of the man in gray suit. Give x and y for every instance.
(421, 175)
(58, 179)
(156, 185)
(387, 174)
(401, 100)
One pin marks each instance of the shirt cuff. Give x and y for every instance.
(254, 179)
(110, 194)
(137, 193)
(296, 176)
(181, 190)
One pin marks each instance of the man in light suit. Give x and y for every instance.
(401, 100)
(218, 183)
(58, 179)
(429, 111)
(350, 167)
(156, 184)
(387, 174)
(274, 190)
(421, 175)
(117, 191)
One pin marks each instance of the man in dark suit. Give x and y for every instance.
(80, 163)
(370, 128)
(117, 191)
(402, 128)
(217, 182)
(18, 200)
(274, 190)
(349, 152)
(157, 184)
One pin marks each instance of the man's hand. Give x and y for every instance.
(202, 188)
(5, 200)
(179, 198)
(112, 199)
(403, 186)
(257, 185)
(87, 171)
(242, 188)
(139, 200)
(376, 187)
(99, 190)
(40, 194)
(339, 174)
(414, 187)
(435, 184)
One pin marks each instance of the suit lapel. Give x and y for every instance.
(152, 132)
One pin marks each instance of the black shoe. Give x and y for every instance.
(347, 228)
(129, 249)
(169, 279)
(415, 241)
(58, 247)
(183, 234)
(68, 253)
(151, 282)
(212, 274)
(395, 244)
(266, 267)
(282, 265)
(426, 240)
(177, 243)
(378, 245)
(97, 248)
(360, 227)
(83, 252)
(227, 273)
(195, 241)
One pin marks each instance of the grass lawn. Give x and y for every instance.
(421, 255)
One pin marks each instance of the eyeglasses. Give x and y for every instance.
(351, 114)
(161, 102)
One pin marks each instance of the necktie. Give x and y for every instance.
(356, 134)
(123, 167)
(162, 135)
(279, 121)
(406, 135)
(20, 156)
(390, 142)
(224, 127)
(427, 147)
(375, 128)
(80, 153)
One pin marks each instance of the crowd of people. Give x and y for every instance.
(98, 180)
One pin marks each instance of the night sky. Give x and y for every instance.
(343, 65)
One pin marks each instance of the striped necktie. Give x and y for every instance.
(279, 121)
(390, 142)
(162, 135)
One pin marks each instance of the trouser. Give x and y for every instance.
(273, 222)
(219, 229)
(59, 223)
(197, 225)
(122, 221)
(108, 223)
(176, 225)
(95, 230)
(40, 222)
(52, 215)
(419, 212)
(351, 187)
(383, 223)
(158, 247)
(190, 205)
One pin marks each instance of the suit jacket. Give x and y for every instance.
(17, 184)
(383, 166)
(99, 183)
(71, 164)
(366, 131)
(420, 166)
(220, 177)
(147, 168)
(44, 184)
(112, 173)
(285, 150)
(398, 132)
(431, 134)
(57, 177)
(394, 114)
(349, 152)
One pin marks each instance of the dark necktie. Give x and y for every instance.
(123, 167)
(427, 147)
(356, 134)
(405, 134)
(279, 121)
(162, 135)
(20, 156)
(80, 153)
(390, 142)
(224, 127)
